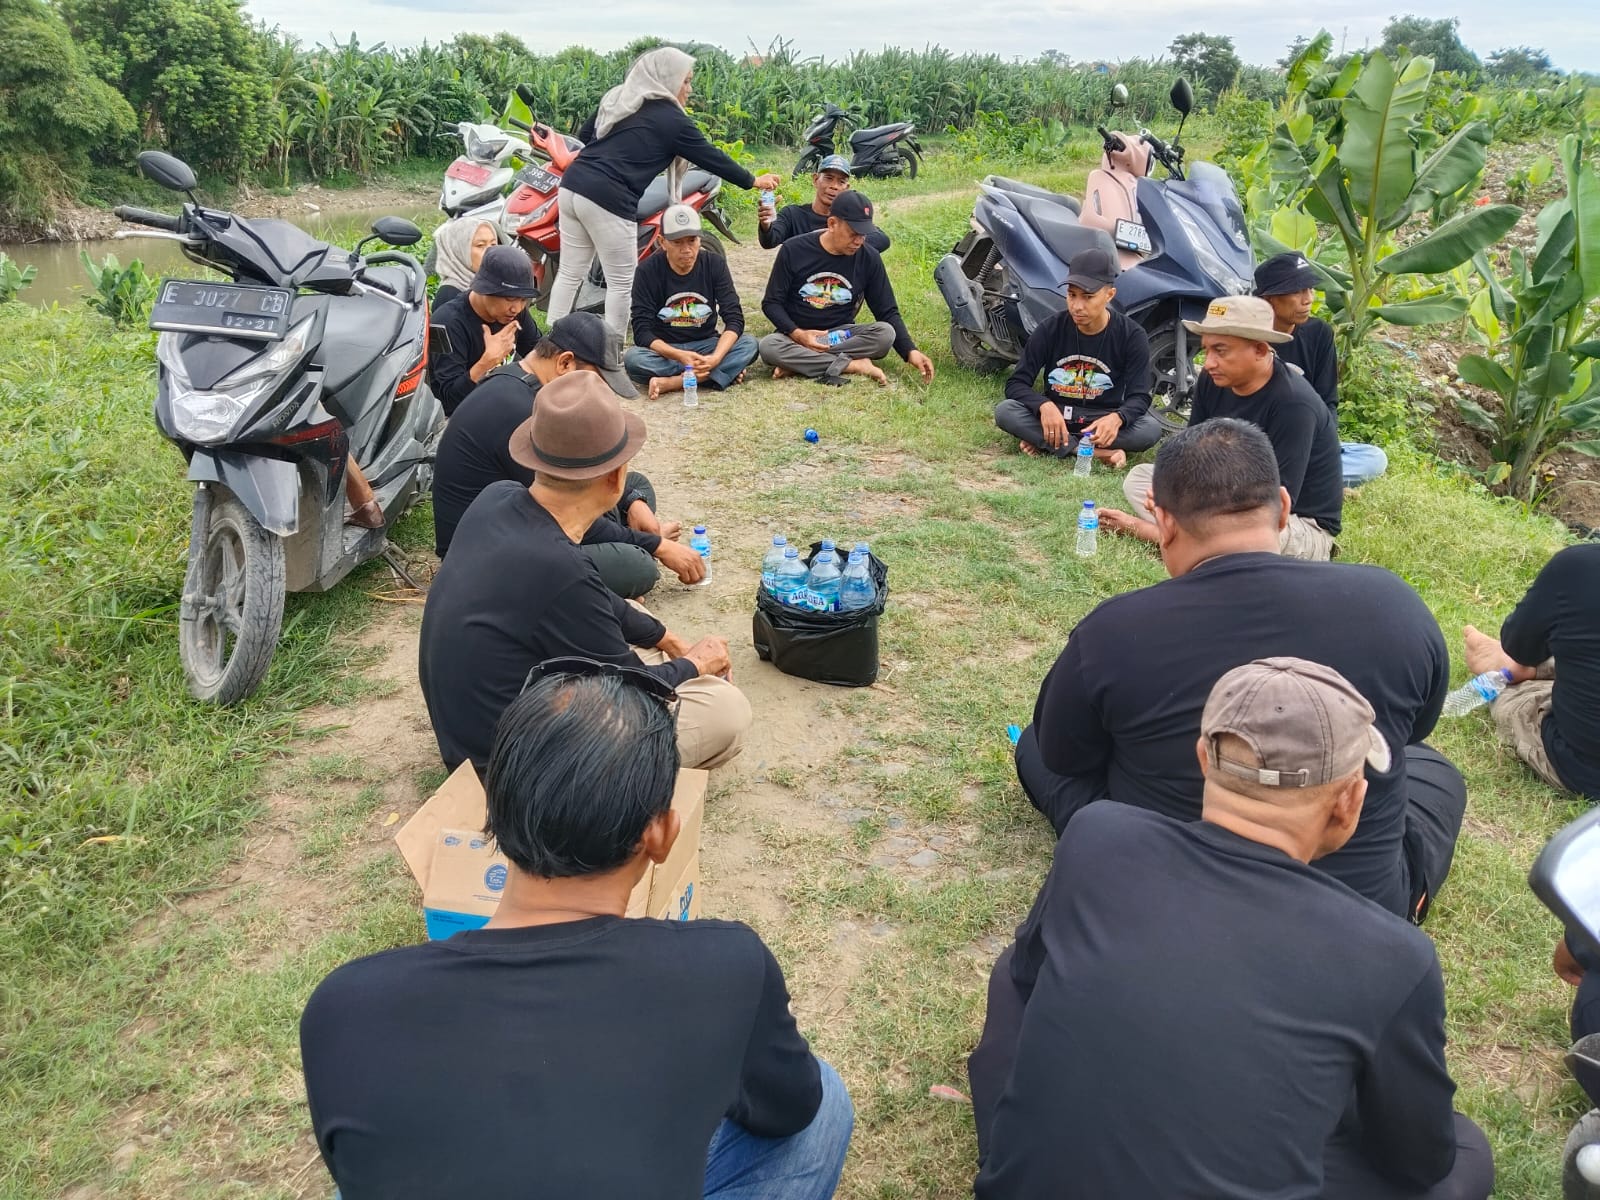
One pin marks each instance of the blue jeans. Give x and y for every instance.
(643, 364)
(1362, 463)
(806, 1166)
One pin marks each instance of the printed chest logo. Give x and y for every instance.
(826, 289)
(1079, 377)
(685, 309)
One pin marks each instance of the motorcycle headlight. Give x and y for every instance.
(207, 416)
(1210, 261)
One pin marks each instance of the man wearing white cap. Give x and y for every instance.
(1244, 379)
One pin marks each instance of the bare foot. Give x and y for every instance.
(662, 384)
(1029, 449)
(781, 372)
(1484, 652)
(1115, 459)
(865, 366)
(739, 378)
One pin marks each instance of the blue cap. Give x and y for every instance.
(835, 162)
(779, 540)
(1086, 504)
(699, 528)
(827, 544)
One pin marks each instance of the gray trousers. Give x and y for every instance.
(1022, 423)
(625, 568)
(866, 341)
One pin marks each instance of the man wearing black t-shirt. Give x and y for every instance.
(1118, 713)
(778, 225)
(516, 589)
(565, 1050)
(1097, 374)
(1192, 1011)
(475, 451)
(818, 283)
(1244, 379)
(677, 295)
(485, 327)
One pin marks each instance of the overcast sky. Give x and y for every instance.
(1083, 30)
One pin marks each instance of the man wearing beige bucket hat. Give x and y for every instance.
(517, 590)
(1243, 378)
(1192, 1009)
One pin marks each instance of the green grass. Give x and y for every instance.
(150, 1049)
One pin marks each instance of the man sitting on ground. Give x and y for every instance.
(1288, 283)
(475, 451)
(565, 1050)
(516, 589)
(1190, 1011)
(1244, 379)
(1097, 374)
(485, 327)
(777, 226)
(1118, 713)
(817, 285)
(677, 294)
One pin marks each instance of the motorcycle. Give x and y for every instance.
(267, 385)
(1181, 240)
(883, 151)
(530, 214)
(485, 169)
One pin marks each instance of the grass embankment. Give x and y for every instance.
(151, 1052)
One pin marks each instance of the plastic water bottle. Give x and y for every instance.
(825, 577)
(691, 389)
(1088, 529)
(701, 545)
(771, 563)
(791, 575)
(866, 550)
(829, 550)
(856, 589)
(1085, 455)
(1476, 692)
(769, 198)
(837, 337)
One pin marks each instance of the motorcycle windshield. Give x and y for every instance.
(1209, 187)
(276, 252)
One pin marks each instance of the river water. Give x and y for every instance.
(61, 278)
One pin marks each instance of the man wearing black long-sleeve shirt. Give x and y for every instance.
(1096, 364)
(777, 225)
(566, 1050)
(516, 589)
(1118, 713)
(484, 327)
(817, 286)
(1191, 1011)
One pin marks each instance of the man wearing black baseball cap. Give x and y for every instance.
(779, 225)
(482, 328)
(817, 286)
(626, 543)
(1096, 364)
(1288, 282)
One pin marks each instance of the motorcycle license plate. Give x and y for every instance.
(467, 172)
(1131, 235)
(228, 309)
(540, 180)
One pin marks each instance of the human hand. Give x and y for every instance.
(1054, 426)
(770, 182)
(704, 362)
(710, 657)
(1117, 521)
(922, 363)
(811, 339)
(1105, 430)
(673, 645)
(683, 561)
(766, 214)
(498, 345)
(1566, 967)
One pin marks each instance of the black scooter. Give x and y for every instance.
(266, 386)
(881, 151)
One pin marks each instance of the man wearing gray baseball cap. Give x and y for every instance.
(1191, 1010)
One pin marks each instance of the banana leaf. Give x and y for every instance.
(1329, 202)
(1554, 252)
(1564, 297)
(1484, 372)
(1501, 300)
(1587, 349)
(1476, 415)
(1430, 310)
(1583, 191)
(1454, 242)
(1451, 167)
(1377, 153)
(1589, 448)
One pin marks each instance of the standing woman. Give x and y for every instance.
(639, 131)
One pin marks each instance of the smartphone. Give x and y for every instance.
(1566, 878)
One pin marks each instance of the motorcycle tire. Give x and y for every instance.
(1169, 408)
(807, 164)
(971, 353)
(232, 611)
(912, 160)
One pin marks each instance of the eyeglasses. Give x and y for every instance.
(638, 677)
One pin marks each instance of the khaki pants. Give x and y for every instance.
(713, 717)
(1301, 538)
(1519, 716)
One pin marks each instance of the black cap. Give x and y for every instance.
(1285, 273)
(855, 210)
(1092, 269)
(585, 335)
(505, 271)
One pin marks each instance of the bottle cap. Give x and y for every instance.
(1086, 504)
(779, 540)
(811, 435)
(699, 528)
(1088, 436)
(827, 544)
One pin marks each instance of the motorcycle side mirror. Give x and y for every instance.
(1182, 96)
(397, 231)
(1119, 95)
(525, 94)
(1566, 878)
(167, 171)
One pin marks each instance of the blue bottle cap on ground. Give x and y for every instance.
(811, 435)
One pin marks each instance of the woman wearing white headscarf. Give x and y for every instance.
(639, 131)
(458, 248)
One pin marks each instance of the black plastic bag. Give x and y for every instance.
(840, 648)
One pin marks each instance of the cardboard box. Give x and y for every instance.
(462, 877)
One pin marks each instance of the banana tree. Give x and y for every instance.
(1366, 167)
(1543, 334)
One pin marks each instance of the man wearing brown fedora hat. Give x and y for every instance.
(517, 590)
(1190, 1010)
(1245, 379)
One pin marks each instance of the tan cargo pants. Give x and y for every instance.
(1301, 538)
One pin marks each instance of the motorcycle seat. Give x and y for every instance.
(358, 329)
(1060, 229)
(654, 199)
(1015, 187)
(877, 133)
